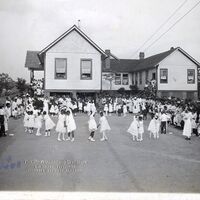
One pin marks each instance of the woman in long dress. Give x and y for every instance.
(187, 129)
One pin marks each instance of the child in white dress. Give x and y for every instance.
(125, 109)
(60, 127)
(31, 121)
(56, 109)
(80, 106)
(106, 109)
(134, 128)
(140, 128)
(52, 110)
(26, 121)
(38, 123)
(104, 126)
(154, 127)
(71, 125)
(49, 124)
(92, 125)
(110, 108)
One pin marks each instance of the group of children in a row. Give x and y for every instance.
(65, 124)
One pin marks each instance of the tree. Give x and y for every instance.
(21, 85)
(121, 90)
(6, 82)
(134, 88)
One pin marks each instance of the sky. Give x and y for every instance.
(119, 25)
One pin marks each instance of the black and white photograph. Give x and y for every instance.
(99, 99)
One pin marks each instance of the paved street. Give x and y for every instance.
(170, 164)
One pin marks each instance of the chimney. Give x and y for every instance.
(141, 55)
(107, 60)
(172, 48)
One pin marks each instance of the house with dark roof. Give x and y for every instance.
(74, 63)
(174, 71)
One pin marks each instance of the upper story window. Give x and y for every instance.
(163, 75)
(190, 76)
(117, 79)
(124, 79)
(60, 68)
(86, 69)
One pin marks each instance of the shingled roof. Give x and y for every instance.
(132, 65)
(116, 65)
(154, 60)
(32, 61)
(122, 65)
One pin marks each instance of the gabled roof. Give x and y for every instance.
(32, 61)
(188, 56)
(133, 65)
(154, 60)
(73, 28)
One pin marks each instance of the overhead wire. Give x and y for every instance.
(159, 28)
(177, 21)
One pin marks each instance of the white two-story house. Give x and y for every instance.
(73, 63)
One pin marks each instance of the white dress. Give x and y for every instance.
(187, 130)
(88, 107)
(52, 109)
(31, 121)
(49, 124)
(80, 106)
(70, 122)
(125, 109)
(56, 109)
(26, 119)
(154, 126)
(194, 117)
(141, 127)
(106, 108)
(133, 128)
(104, 126)
(92, 125)
(93, 108)
(60, 127)
(110, 108)
(46, 106)
(38, 121)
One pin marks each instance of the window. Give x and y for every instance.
(140, 78)
(124, 79)
(117, 79)
(163, 75)
(86, 69)
(190, 76)
(60, 68)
